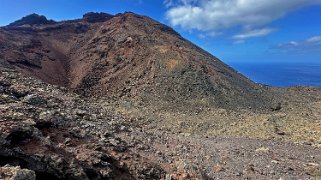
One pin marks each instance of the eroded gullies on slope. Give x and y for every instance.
(128, 56)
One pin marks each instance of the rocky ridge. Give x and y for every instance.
(32, 19)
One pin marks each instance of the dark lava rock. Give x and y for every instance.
(93, 17)
(35, 100)
(32, 19)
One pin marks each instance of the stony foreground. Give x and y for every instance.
(49, 132)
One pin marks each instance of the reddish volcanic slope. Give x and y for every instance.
(125, 56)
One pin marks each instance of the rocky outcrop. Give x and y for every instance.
(93, 17)
(8, 172)
(32, 19)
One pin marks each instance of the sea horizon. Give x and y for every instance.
(281, 74)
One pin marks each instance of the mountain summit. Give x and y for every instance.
(32, 19)
(126, 56)
(96, 17)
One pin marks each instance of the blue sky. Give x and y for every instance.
(232, 30)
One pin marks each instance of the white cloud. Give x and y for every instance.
(293, 43)
(288, 45)
(214, 16)
(168, 3)
(303, 46)
(254, 33)
(171, 3)
(314, 40)
(202, 36)
(241, 41)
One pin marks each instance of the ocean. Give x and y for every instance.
(281, 74)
